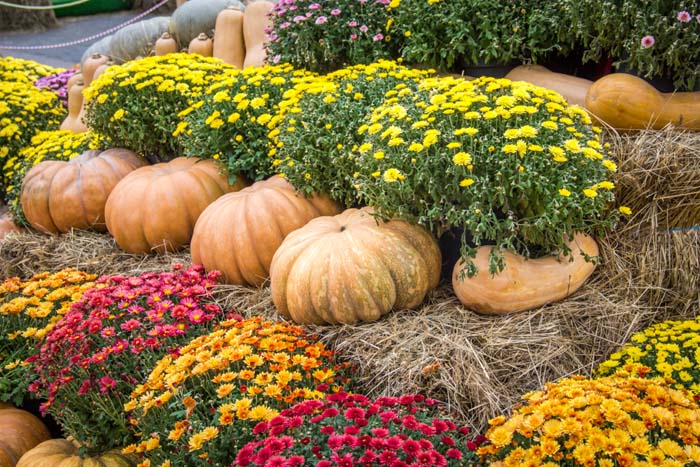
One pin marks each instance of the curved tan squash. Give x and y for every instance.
(524, 284)
(202, 45)
(90, 65)
(20, 431)
(166, 44)
(63, 453)
(239, 233)
(625, 102)
(155, 208)
(255, 20)
(349, 268)
(58, 196)
(572, 88)
(229, 44)
(100, 69)
(75, 77)
(73, 122)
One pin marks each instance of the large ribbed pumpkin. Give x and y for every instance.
(524, 284)
(196, 17)
(58, 196)
(156, 207)
(19, 432)
(63, 453)
(240, 232)
(137, 39)
(351, 267)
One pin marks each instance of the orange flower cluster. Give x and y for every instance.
(203, 403)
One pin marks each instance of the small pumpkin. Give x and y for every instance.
(20, 431)
(137, 39)
(229, 44)
(90, 65)
(256, 20)
(58, 196)
(626, 102)
(201, 45)
(63, 453)
(240, 232)
(74, 120)
(165, 44)
(155, 208)
(524, 284)
(195, 17)
(572, 88)
(350, 267)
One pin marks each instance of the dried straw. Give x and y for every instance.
(481, 365)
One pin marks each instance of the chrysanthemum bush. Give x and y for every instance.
(231, 119)
(136, 104)
(107, 344)
(55, 145)
(24, 110)
(602, 422)
(20, 70)
(509, 162)
(324, 36)
(200, 407)
(351, 429)
(29, 309)
(318, 124)
(670, 350)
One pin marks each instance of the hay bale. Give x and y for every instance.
(19, 18)
(28, 253)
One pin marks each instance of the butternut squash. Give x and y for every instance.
(201, 45)
(627, 102)
(166, 44)
(100, 69)
(256, 19)
(524, 284)
(90, 65)
(229, 43)
(74, 122)
(572, 88)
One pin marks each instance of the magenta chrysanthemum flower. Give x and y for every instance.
(648, 41)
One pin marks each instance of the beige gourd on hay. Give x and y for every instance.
(572, 88)
(524, 284)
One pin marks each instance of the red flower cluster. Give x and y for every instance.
(351, 430)
(109, 340)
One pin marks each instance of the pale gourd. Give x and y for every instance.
(256, 20)
(229, 43)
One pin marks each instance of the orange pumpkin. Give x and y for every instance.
(255, 20)
(229, 44)
(240, 232)
(19, 432)
(156, 207)
(74, 121)
(572, 88)
(201, 45)
(524, 284)
(626, 102)
(351, 267)
(58, 196)
(166, 44)
(64, 453)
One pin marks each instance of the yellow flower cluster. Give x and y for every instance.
(136, 104)
(30, 309)
(24, 71)
(605, 422)
(45, 145)
(224, 382)
(670, 350)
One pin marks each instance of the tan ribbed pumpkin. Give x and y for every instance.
(58, 196)
(19, 432)
(350, 268)
(524, 284)
(155, 208)
(63, 453)
(240, 232)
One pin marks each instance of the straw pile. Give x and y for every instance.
(20, 18)
(480, 365)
